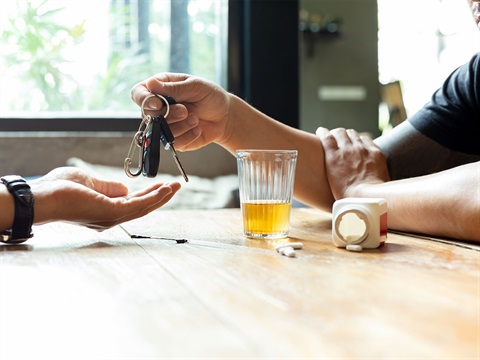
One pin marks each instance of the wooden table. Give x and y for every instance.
(73, 293)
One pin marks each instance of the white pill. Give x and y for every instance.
(296, 245)
(280, 247)
(293, 245)
(283, 249)
(288, 251)
(351, 247)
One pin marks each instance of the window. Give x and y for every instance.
(421, 42)
(69, 65)
(80, 58)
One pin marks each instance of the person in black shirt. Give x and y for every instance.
(444, 134)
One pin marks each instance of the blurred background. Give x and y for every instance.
(66, 67)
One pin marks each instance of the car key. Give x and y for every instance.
(167, 137)
(151, 132)
(167, 140)
(151, 149)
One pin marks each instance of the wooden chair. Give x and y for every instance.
(392, 96)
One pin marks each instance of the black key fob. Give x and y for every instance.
(151, 151)
(170, 100)
(166, 136)
(151, 134)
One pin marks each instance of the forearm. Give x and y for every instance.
(445, 204)
(7, 208)
(254, 130)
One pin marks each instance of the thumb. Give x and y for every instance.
(183, 88)
(166, 84)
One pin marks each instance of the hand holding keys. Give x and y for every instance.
(151, 132)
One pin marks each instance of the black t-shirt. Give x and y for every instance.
(452, 117)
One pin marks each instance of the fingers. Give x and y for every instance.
(177, 112)
(353, 136)
(144, 199)
(156, 199)
(340, 137)
(183, 124)
(367, 140)
(185, 128)
(152, 188)
(140, 91)
(154, 104)
(166, 84)
(322, 132)
(109, 188)
(328, 139)
(143, 202)
(192, 140)
(168, 77)
(136, 205)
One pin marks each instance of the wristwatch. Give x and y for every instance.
(22, 224)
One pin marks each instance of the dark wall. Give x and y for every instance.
(263, 56)
(344, 63)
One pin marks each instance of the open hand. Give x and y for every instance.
(70, 194)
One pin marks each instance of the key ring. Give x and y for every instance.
(164, 101)
(138, 140)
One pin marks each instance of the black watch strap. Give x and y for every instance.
(23, 197)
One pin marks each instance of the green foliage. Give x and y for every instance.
(38, 45)
(36, 42)
(41, 47)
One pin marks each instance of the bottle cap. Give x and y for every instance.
(352, 226)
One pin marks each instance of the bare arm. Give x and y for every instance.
(207, 114)
(446, 203)
(255, 130)
(70, 194)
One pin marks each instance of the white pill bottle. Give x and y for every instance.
(359, 223)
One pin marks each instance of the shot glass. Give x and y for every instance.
(266, 179)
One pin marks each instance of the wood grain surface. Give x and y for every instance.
(73, 293)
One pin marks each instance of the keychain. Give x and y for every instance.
(151, 132)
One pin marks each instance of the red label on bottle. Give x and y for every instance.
(383, 227)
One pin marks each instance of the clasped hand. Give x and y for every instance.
(352, 161)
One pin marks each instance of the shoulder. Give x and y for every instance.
(466, 77)
(461, 90)
(476, 62)
(452, 116)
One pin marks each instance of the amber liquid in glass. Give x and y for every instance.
(266, 218)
